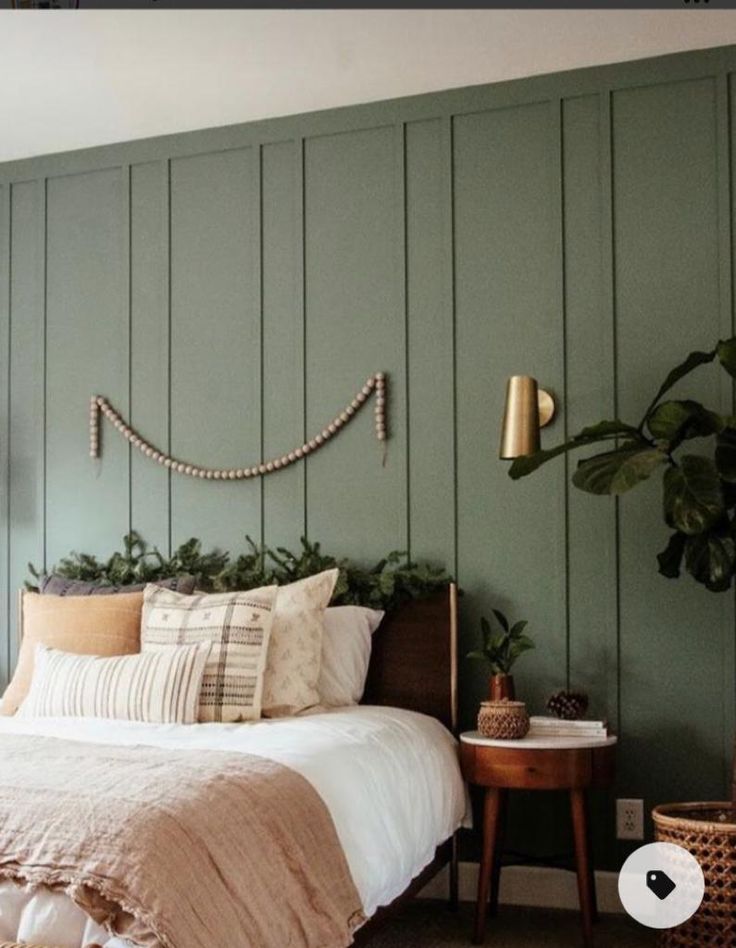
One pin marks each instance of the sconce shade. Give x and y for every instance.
(520, 431)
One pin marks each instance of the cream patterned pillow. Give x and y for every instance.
(160, 687)
(236, 625)
(295, 651)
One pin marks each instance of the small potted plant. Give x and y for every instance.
(500, 650)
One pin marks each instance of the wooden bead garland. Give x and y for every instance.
(374, 383)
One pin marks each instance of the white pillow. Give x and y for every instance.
(346, 653)
(159, 687)
(295, 648)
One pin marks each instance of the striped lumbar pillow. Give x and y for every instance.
(236, 625)
(160, 687)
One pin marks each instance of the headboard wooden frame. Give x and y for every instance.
(414, 658)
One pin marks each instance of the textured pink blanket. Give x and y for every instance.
(179, 849)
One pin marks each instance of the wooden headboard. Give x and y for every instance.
(414, 658)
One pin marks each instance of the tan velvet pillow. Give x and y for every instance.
(84, 625)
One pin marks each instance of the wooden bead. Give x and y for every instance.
(299, 452)
(168, 462)
(380, 376)
(203, 473)
(381, 435)
(326, 434)
(356, 403)
(291, 456)
(261, 468)
(365, 391)
(269, 466)
(319, 439)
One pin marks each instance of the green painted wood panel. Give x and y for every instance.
(283, 339)
(149, 346)
(233, 287)
(508, 322)
(27, 370)
(87, 353)
(510, 535)
(667, 303)
(354, 326)
(593, 632)
(430, 342)
(5, 266)
(215, 344)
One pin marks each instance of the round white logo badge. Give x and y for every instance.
(661, 885)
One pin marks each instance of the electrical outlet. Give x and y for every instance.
(629, 819)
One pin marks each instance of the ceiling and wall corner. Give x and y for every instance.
(84, 78)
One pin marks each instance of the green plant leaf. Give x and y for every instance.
(603, 431)
(710, 557)
(477, 653)
(693, 500)
(671, 556)
(679, 372)
(725, 455)
(676, 421)
(617, 471)
(518, 627)
(726, 350)
(501, 619)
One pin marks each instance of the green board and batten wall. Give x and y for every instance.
(229, 289)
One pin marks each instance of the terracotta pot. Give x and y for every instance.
(502, 686)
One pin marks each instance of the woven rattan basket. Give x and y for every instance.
(708, 831)
(503, 720)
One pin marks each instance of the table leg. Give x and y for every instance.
(498, 852)
(453, 901)
(491, 811)
(586, 886)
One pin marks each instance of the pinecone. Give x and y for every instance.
(568, 705)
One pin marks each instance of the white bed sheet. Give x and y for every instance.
(389, 777)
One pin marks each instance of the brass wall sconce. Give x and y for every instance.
(528, 408)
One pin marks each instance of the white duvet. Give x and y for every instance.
(390, 779)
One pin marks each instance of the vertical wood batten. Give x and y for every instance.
(726, 207)
(557, 186)
(301, 303)
(402, 304)
(257, 304)
(5, 335)
(608, 247)
(126, 307)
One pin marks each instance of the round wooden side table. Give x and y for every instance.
(545, 763)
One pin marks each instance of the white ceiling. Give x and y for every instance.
(74, 79)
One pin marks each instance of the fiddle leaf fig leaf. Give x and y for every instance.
(603, 431)
(693, 500)
(679, 420)
(679, 372)
(726, 350)
(726, 455)
(615, 472)
(710, 559)
(671, 556)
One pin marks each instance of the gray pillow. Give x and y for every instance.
(55, 585)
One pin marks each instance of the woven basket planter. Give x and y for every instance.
(503, 720)
(708, 832)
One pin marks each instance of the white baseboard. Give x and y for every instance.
(537, 886)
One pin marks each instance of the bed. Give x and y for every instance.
(387, 771)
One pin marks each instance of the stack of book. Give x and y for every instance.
(556, 727)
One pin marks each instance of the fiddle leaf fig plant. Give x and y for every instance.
(501, 649)
(699, 489)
